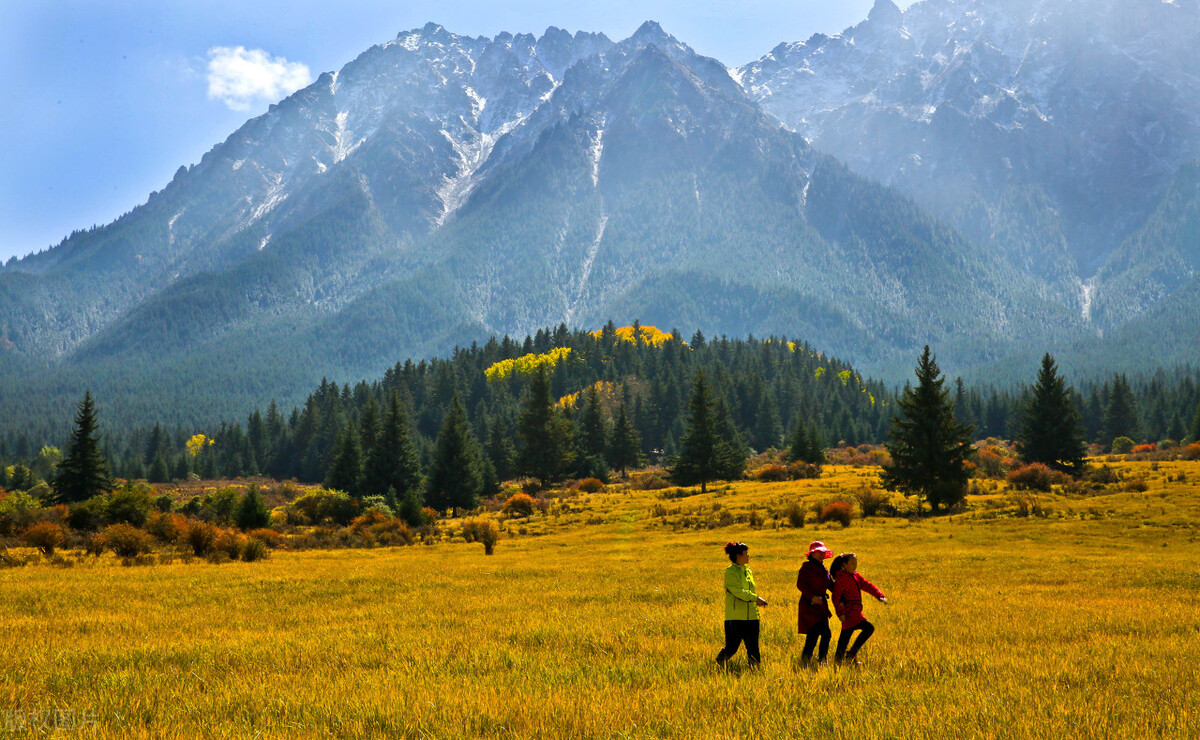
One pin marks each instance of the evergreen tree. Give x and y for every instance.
(182, 469)
(160, 470)
(1196, 425)
(156, 446)
(1120, 414)
(500, 450)
(706, 453)
(591, 439)
(625, 448)
(1050, 429)
(806, 444)
(393, 461)
(455, 475)
(345, 469)
(84, 472)
(928, 445)
(252, 511)
(544, 433)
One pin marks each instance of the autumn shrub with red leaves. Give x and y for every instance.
(520, 504)
(45, 536)
(126, 540)
(1037, 477)
(837, 511)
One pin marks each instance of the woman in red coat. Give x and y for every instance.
(814, 581)
(848, 586)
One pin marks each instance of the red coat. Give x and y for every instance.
(813, 580)
(847, 597)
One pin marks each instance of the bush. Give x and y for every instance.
(167, 527)
(837, 511)
(45, 536)
(164, 503)
(488, 534)
(871, 501)
(252, 510)
(590, 485)
(794, 515)
(379, 503)
(221, 505)
(647, 482)
(268, 537)
(1035, 476)
(324, 505)
(94, 544)
(1191, 452)
(520, 504)
(89, 515)
(229, 542)
(201, 536)
(17, 511)
(255, 549)
(126, 540)
(1143, 449)
(1103, 475)
(1122, 445)
(129, 504)
(771, 474)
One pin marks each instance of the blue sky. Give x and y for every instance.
(105, 99)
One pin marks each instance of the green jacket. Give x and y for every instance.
(741, 599)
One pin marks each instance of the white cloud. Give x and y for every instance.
(241, 77)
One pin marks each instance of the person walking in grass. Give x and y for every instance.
(741, 606)
(848, 585)
(814, 583)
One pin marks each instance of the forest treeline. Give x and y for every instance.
(637, 376)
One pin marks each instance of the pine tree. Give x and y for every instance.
(500, 449)
(1050, 428)
(345, 471)
(160, 470)
(455, 475)
(393, 461)
(84, 472)
(1196, 425)
(252, 511)
(591, 439)
(625, 448)
(706, 453)
(545, 437)
(928, 446)
(806, 444)
(1120, 415)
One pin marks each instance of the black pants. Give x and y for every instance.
(738, 631)
(819, 631)
(867, 628)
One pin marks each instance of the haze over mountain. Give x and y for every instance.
(441, 188)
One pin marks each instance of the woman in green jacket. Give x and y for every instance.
(741, 606)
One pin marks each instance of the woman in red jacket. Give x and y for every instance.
(848, 586)
(814, 581)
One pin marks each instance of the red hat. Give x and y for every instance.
(819, 547)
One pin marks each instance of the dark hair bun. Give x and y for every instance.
(730, 548)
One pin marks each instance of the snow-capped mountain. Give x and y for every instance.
(1048, 130)
(441, 188)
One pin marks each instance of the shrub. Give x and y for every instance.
(252, 510)
(324, 505)
(268, 537)
(591, 485)
(221, 505)
(369, 519)
(1144, 449)
(201, 536)
(803, 470)
(89, 515)
(755, 519)
(45, 536)
(489, 534)
(126, 540)
(1191, 452)
(1137, 486)
(771, 474)
(871, 501)
(379, 503)
(1122, 445)
(837, 511)
(255, 549)
(647, 482)
(164, 503)
(18, 510)
(1035, 476)
(229, 542)
(794, 515)
(520, 504)
(167, 527)
(129, 504)
(94, 544)
(1103, 474)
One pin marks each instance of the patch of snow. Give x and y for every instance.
(737, 75)
(171, 228)
(470, 155)
(597, 150)
(1087, 289)
(696, 189)
(546, 95)
(477, 102)
(273, 197)
(343, 144)
(588, 260)
(264, 241)
(238, 164)
(333, 84)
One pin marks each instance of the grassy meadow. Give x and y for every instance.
(1081, 619)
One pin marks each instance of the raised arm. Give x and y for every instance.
(867, 586)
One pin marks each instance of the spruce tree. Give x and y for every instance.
(1196, 425)
(345, 471)
(705, 452)
(591, 438)
(1050, 429)
(1120, 414)
(455, 474)
(799, 449)
(928, 445)
(545, 434)
(252, 511)
(500, 449)
(84, 472)
(625, 448)
(393, 461)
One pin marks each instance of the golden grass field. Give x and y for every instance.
(604, 621)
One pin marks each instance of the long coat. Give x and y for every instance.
(813, 580)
